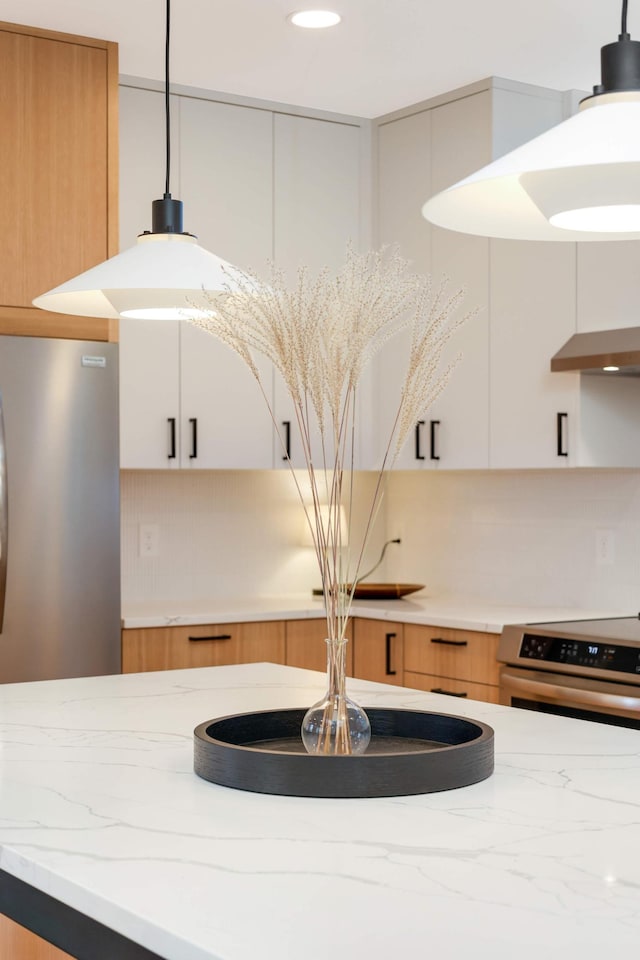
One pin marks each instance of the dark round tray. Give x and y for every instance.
(411, 751)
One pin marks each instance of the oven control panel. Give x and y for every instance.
(581, 653)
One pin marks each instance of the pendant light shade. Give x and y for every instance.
(578, 181)
(166, 275)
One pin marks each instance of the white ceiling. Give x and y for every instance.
(385, 54)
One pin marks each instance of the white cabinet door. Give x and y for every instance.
(182, 392)
(608, 285)
(141, 125)
(150, 414)
(316, 213)
(460, 144)
(417, 156)
(226, 180)
(225, 422)
(533, 411)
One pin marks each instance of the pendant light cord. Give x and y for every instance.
(623, 28)
(167, 109)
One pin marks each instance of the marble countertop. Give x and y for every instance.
(100, 808)
(455, 612)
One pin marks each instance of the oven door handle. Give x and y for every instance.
(588, 693)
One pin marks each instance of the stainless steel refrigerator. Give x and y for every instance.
(59, 509)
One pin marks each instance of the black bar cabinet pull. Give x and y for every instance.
(432, 426)
(172, 437)
(562, 450)
(194, 438)
(216, 636)
(449, 643)
(388, 637)
(287, 439)
(419, 454)
(447, 693)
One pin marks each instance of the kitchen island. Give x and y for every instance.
(101, 811)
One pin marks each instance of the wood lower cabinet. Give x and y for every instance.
(205, 645)
(451, 687)
(306, 647)
(18, 943)
(458, 662)
(378, 651)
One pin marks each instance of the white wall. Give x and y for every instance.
(223, 534)
(515, 537)
(519, 537)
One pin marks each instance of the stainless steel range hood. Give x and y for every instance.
(594, 352)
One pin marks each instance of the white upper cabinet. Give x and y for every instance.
(141, 121)
(533, 411)
(186, 400)
(419, 155)
(608, 285)
(149, 394)
(225, 422)
(317, 179)
(503, 407)
(226, 173)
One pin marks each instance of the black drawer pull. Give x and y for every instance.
(447, 693)
(216, 636)
(388, 637)
(419, 453)
(172, 438)
(287, 439)
(432, 426)
(562, 450)
(194, 438)
(449, 643)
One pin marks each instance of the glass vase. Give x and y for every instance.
(336, 725)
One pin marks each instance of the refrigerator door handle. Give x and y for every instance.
(4, 519)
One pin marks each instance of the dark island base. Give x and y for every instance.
(411, 752)
(64, 927)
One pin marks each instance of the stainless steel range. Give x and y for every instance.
(588, 669)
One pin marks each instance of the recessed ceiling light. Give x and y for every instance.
(611, 369)
(315, 19)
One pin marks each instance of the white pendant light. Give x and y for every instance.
(578, 181)
(167, 275)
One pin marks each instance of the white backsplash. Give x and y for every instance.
(514, 537)
(521, 537)
(222, 534)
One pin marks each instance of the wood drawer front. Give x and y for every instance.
(462, 654)
(306, 647)
(378, 651)
(462, 688)
(205, 645)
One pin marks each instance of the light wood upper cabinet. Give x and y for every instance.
(58, 114)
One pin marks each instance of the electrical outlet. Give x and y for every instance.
(148, 539)
(605, 547)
